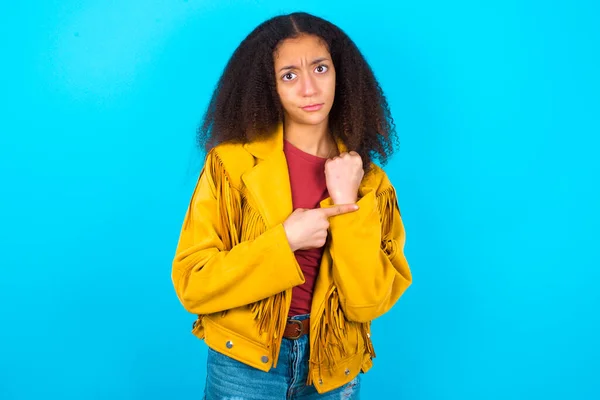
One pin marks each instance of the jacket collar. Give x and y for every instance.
(266, 147)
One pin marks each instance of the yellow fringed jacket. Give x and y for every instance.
(234, 268)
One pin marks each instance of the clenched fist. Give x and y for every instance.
(343, 175)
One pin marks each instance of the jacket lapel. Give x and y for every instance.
(268, 182)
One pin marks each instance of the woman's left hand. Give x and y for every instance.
(343, 175)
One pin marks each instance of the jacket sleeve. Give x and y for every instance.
(210, 277)
(370, 270)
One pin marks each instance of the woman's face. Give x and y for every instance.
(305, 79)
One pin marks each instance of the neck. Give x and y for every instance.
(312, 139)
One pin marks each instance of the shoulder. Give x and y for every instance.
(231, 154)
(377, 179)
(230, 160)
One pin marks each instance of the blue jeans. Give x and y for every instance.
(228, 379)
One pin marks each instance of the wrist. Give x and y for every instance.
(344, 199)
(289, 240)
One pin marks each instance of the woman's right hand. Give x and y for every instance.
(307, 229)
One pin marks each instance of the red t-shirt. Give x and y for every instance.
(307, 180)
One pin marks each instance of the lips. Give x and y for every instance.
(313, 107)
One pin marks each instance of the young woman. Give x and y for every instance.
(293, 241)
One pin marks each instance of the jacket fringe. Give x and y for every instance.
(387, 203)
(329, 334)
(331, 328)
(269, 313)
(229, 201)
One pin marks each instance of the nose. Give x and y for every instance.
(309, 86)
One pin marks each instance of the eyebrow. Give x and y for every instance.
(315, 61)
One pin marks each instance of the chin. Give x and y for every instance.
(314, 118)
(314, 121)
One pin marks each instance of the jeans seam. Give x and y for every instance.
(290, 391)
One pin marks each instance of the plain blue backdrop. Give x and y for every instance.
(497, 107)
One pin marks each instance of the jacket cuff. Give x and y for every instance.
(366, 217)
(283, 252)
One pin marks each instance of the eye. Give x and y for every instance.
(321, 69)
(289, 76)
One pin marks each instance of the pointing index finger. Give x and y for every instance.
(339, 209)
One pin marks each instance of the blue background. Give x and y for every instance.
(497, 108)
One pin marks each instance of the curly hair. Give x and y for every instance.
(245, 105)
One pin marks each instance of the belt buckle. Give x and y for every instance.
(299, 329)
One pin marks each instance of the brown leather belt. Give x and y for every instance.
(295, 329)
